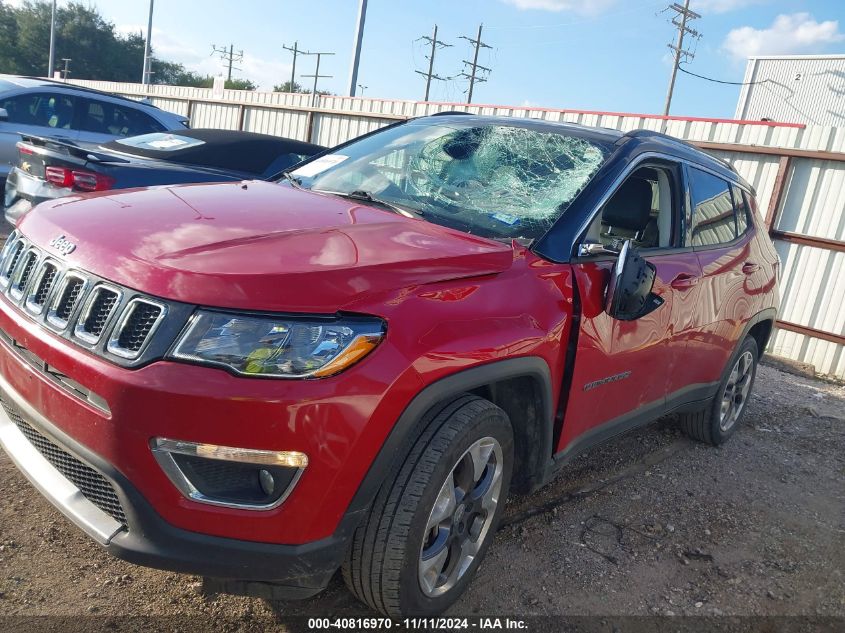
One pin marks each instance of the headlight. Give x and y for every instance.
(277, 347)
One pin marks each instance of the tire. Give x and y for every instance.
(720, 419)
(385, 561)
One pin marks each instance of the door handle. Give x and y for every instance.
(749, 268)
(684, 281)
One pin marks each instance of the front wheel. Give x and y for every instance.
(435, 516)
(719, 421)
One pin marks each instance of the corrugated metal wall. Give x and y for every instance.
(813, 202)
(806, 89)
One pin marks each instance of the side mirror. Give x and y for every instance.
(4, 114)
(629, 294)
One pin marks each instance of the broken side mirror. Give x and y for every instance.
(629, 293)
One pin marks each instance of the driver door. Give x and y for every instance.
(623, 370)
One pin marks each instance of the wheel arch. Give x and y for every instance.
(498, 381)
(760, 328)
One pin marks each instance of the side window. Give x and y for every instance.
(713, 221)
(40, 108)
(742, 211)
(103, 117)
(643, 209)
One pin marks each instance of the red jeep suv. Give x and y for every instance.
(351, 368)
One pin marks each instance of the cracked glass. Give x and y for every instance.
(498, 181)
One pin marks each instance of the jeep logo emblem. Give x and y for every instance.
(62, 245)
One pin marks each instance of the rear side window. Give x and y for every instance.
(713, 220)
(742, 210)
(40, 108)
(103, 117)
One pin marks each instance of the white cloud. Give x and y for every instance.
(578, 6)
(264, 72)
(788, 34)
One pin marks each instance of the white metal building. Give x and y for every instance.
(807, 89)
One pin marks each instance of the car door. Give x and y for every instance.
(623, 370)
(730, 272)
(34, 112)
(103, 121)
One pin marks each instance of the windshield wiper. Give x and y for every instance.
(296, 182)
(366, 196)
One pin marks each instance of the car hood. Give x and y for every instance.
(256, 245)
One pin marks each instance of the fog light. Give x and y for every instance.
(268, 484)
(227, 476)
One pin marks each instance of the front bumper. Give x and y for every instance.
(136, 533)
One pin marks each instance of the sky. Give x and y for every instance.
(608, 55)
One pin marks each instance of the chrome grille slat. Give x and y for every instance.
(78, 306)
(140, 319)
(71, 290)
(22, 273)
(99, 308)
(42, 286)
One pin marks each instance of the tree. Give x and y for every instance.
(286, 87)
(96, 49)
(289, 87)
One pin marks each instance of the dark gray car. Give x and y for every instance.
(43, 107)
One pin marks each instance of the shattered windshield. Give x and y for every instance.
(498, 181)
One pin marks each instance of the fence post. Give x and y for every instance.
(784, 166)
(241, 116)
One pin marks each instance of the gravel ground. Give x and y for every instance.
(650, 524)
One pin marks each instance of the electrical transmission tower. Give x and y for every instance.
(435, 44)
(296, 51)
(228, 55)
(473, 76)
(682, 16)
(317, 75)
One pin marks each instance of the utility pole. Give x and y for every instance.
(296, 51)
(430, 74)
(145, 74)
(66, 71)
(474, 65)
(684, 13)
(52, 59)
(317, 76)
(356, 47)
(229, 56)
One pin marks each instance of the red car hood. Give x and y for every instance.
(256, 245)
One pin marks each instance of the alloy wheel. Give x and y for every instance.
(461, 517)
(736, 391)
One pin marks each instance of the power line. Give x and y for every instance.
(296, 51)
(685, 15)
(317, 75)
(435, 44)
(474, 65)
(229, 56)
(719, 81)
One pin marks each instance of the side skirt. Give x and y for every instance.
(689, 398)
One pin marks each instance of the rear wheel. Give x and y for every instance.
(435, 516)
(716, 423)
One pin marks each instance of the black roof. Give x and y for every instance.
(225, 149)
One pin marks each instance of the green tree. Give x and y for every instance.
(96, 49)
(288, 87)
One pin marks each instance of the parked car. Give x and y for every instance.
(43, 107)
(49, 168)
(355, 367)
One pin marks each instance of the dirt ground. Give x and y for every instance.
(651, 524)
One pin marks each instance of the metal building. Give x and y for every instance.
(808, 89)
